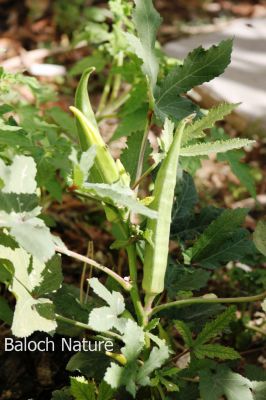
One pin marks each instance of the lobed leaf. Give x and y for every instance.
(219, 146)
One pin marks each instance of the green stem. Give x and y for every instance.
(203, 300)
(132, 264)
(134, 292)
(117, 80)
(146, 173)
(143, 148)
(106, 91)
(126, 285)
(256, 329)
(85, 326)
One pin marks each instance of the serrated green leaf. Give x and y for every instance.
(30, 232)
(147, 21)
(179, 278)
(196, 129)
(242, 171)
(105, 392)
(62, 394)
(81, 389)
(120, 196)
(134, 340)
(104, 318)
(19, 177)
(219, 146)
(236, 247)
(186, 198)
(52, 277)
(259, 237)
(6, 313)
(199, 66)
(91, 364)
(26, 318)
(132, 122)
(184, 330)
(224, 382)
(215, 327)
(63, 120)
(156, 359)
(220, 230)
(15, 139)
(215, 351)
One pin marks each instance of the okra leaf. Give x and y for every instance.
(215, 327)
(199, 66)
(184, 330)
(91, 364)
(235, 247)
(185, 200)
(130, 154)
(27, 276)
(104, 318)
(157, 357)
(120, 196)
(219, 146)
(82, 389)
(179, 278)
(215, 351)
(19, 210)
(147, 21)
(196, 129)
(259, 237)
(19, 177)
(134, 340)
(216, 234)
(223, 381)
(132, 122)
(241, 170)
(6, 313)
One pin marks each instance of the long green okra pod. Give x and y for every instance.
(155, 257)
(104, 169)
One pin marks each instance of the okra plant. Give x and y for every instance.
(148, 197)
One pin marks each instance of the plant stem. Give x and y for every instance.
(117, 80)
(106, 91)
(126, 285)
(143, 148)
(203, 300)
(85, 326)
(149, 170)
(134, 292)
(83, 275)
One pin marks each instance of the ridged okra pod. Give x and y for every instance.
(104, 169)
(156, 255)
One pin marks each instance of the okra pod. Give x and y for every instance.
(104, 169)
(156, 254)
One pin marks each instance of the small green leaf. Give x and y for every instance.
(219, 146)
(6, 314)
(20, 176)
(215, 351)
(224, 382)
(259, 237)
(132, 122)
(215, 327)
(147, 21)
(185, 332)
(81, 389)
(120, 196)
(104, 318)
(196, 129)
(217, 233)
(199, 66)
